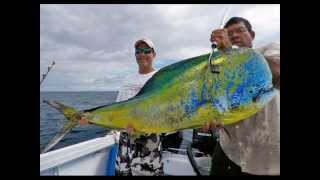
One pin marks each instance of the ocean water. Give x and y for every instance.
(52, 121)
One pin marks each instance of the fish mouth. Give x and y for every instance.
(262, 93)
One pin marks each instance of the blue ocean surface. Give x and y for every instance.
(52, 121)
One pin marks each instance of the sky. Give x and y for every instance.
(93, 45)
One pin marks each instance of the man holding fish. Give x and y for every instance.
(192, 92)
(142, 155)
(252, 146)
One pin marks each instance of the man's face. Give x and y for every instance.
(239, 35)
(144, 56)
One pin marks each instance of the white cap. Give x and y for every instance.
(147, 41)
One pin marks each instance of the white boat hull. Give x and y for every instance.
(90, 158)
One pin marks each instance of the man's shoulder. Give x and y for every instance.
(270, 49)
(131, 85)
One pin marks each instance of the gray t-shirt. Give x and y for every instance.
(254, 144)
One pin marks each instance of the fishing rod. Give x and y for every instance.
(45, 75)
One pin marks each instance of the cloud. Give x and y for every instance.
(92, 45)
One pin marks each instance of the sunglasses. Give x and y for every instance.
(144, 50)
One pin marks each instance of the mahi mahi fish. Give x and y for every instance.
(185, 95)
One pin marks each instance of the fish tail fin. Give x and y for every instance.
(71, 114)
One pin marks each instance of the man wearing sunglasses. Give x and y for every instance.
(253, 145)
(140, 156)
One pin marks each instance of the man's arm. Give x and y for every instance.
(220, 36)
(272, 54)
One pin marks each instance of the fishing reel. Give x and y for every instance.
(204, 141)
(215, 64)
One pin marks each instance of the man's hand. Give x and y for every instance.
(130, 129)
(211, 125)
(220, 36)
(83, 121)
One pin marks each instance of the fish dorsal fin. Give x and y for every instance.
(169, 73)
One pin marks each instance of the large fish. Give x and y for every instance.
(186, 95)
